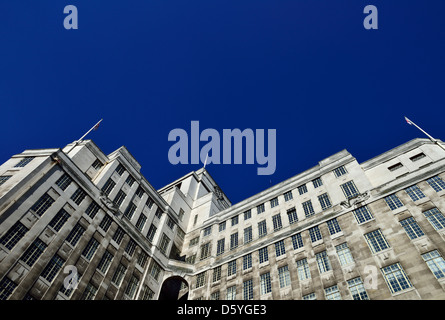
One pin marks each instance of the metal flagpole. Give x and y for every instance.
(94, 127)
(430, 137)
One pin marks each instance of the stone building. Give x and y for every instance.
(78, 224)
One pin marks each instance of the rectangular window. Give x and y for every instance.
(302, 189)
(247, 214)
(164, 243)
(119, 198)
(344, 254)
(357, 289)
(231, 268)
(140, 192)
(155, 270)
(332, 293)
(130, 180)
(131, 247)
(376, 241)
(263, 255)
(130, 211)
(132, 286)
(105, 223)
(234, 221)
(222, 226)
(205, 251)
(338, 172)
(78, 196)
(92, 210)
(308, 209)
(333, 226)
(396, 278)
(435, 262)
(265, 284)
(33, 253)
(42, 204)
(411, 227)
(14, 234)
(142, 259)
(231, 293)
(52, 268)
(141, 222)
(220, 247)
(274, 202)
(284, 276)
(414, 193)
(292, 215)
(216, 274)
(23, 162)
(151, 232)
(260, 208)
(215, 295)
(233, 241)
(149, 203)
(349, 189)
(207, 231)
(146, 293)
(97, 164)
(63, 182)
(324, 201)
(90, 249)
(248, 290)
(362, 214)
(3, 179)
(323, 262)
(248, 235)
(317, 183)
(262, 228)
(276, 220)
(200, 279)
(7, 287)
(280, 249)
(288, 196)
(395, 167)
(194, 241)
(315, 234)
(297, 241)
(108, 186)
(247, 261)
(105, 262)
(436, 183)
(393, 202)
(59, 220)
(119, 274)
(310, 296)
(120, 169)
(417, 157)
(436, 218)
(118, 235)
(303, 269)
(75, 235)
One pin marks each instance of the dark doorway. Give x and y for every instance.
(174, 288)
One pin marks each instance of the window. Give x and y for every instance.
(280, 248)
(276, 220)
(132, 286)
(323, 262)
(142, 259)
(417, 157)
(436, 183)
(231, 268)
(164, 243)
(216, 274)
(248, 290)
(220, 247)
(247, 261)
(23, 162)
(247, 214)
(194, 241)
(396, 278)
(92, 210)
(146, 293)
(42, 204)
(248, 235)
(308, 209)
(395, 167)
(131, 247)
(207, 231)
(63, 182)
(288, 196)
(222, 226)
(141, 222)
(105, 262)
(260, 208)
(3, 179)
(149, 203)
(215, 295)
(130, 180)
(231, 293)
(284, 276)
(152, 231)
(357, 289)
(274, 202)
(200, 279)
(302, 189)
(338, 172)
(303, 269)
(393, 202)
(344, 254)
(130, 211)
(362, 214)
(297, 241)
(349, 189)
(90, 249)
(105, 223)
(332, 293)
(333, 226)
(119, 198)
(155, 270)
(310, 296)
(292, 215)
(411, 227)
(118, 235)
(33, 252)
(119, 274)
(233, 240)
(262, 228)
(265, 284)
(317, 182)
(78, 196)
(97, 164)
(52, 268)
(376, 241)
(59, 220)
(263, 255)
(108, 186)
(435, 262)
(436, 218)
(324, 201)
(415, 193)
(75, 235)
(205, 250)
(315, 234)
(234, 221)
(120, 169)
(14, 234)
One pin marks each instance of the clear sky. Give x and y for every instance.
(307, 68)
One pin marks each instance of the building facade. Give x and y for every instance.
(78, 224)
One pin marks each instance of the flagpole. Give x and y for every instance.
(430, 137)
(95, 126)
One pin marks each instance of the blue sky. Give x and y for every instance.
(306, 68)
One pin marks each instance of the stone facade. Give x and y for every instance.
(341, 229)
